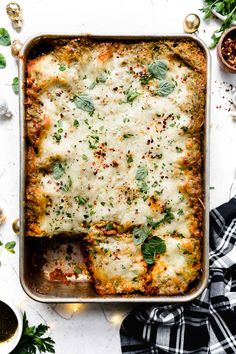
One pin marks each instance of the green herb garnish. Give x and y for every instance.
(109, 226)
(66, 187)
(165, 88)
(158, 69)
(140, 234)
(76, 123)
(58, 170)
(153, 247)
(80, 200)
(100, 79)
(226, 8)
(9, 246)
(178, 149)
(127, 135)
(32, 340)
(131, 95)
(144, 187)
(85, 157)
(85, 103)
(168, 217)
(2, 61)
(4, 37)
(62, 67)
(77, 270)
(129, 158)
(141, 173)
(15, 85)
(180, 212)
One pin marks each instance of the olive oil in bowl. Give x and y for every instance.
(8, 322)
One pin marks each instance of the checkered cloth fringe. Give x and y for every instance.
(206, 325)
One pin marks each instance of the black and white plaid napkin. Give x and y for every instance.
(206, 325)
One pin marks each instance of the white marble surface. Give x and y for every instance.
(88, 329)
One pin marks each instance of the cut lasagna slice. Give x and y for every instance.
(116, 264)
(176, 268)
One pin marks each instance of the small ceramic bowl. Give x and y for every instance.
(223, 63)
(7, 346)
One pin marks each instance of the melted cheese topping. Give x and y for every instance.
(102, 153)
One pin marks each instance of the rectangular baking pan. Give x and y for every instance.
(33, 280)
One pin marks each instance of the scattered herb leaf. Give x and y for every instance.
(77, 270)
(85, 103)
(109, 226)
(158, 69)
(127, 136)
(15, 85)
(9, 246)
(165, 88)
(66, 187)
(85, 157)
(153, 247)
(4, 37)
(80, 200)
(76, 123)
(141, 173)
(58, 170)
(140, 234)
(131, 95)
(178, 149)
(2, 61)
(168, 217)
(180, 212)
(129, 158)
(62, 67)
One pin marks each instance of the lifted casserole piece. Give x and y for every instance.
(116, 264)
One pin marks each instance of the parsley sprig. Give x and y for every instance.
(32, 339)
(226, 8)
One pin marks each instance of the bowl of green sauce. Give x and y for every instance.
(11, 326)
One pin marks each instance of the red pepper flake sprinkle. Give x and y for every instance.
(229, 50)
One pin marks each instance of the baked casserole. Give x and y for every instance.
(115, 155)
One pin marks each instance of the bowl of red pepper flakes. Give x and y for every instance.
(226, 50)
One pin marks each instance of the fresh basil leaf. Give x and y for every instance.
(58, 170)
(9, 246)
(165, 88)
(4, 37)
(85, 103)
(140, 234)
(158, 69)
(2, 61)
(15, 85)
(153, 247)
(141, 173)
(131, 95)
